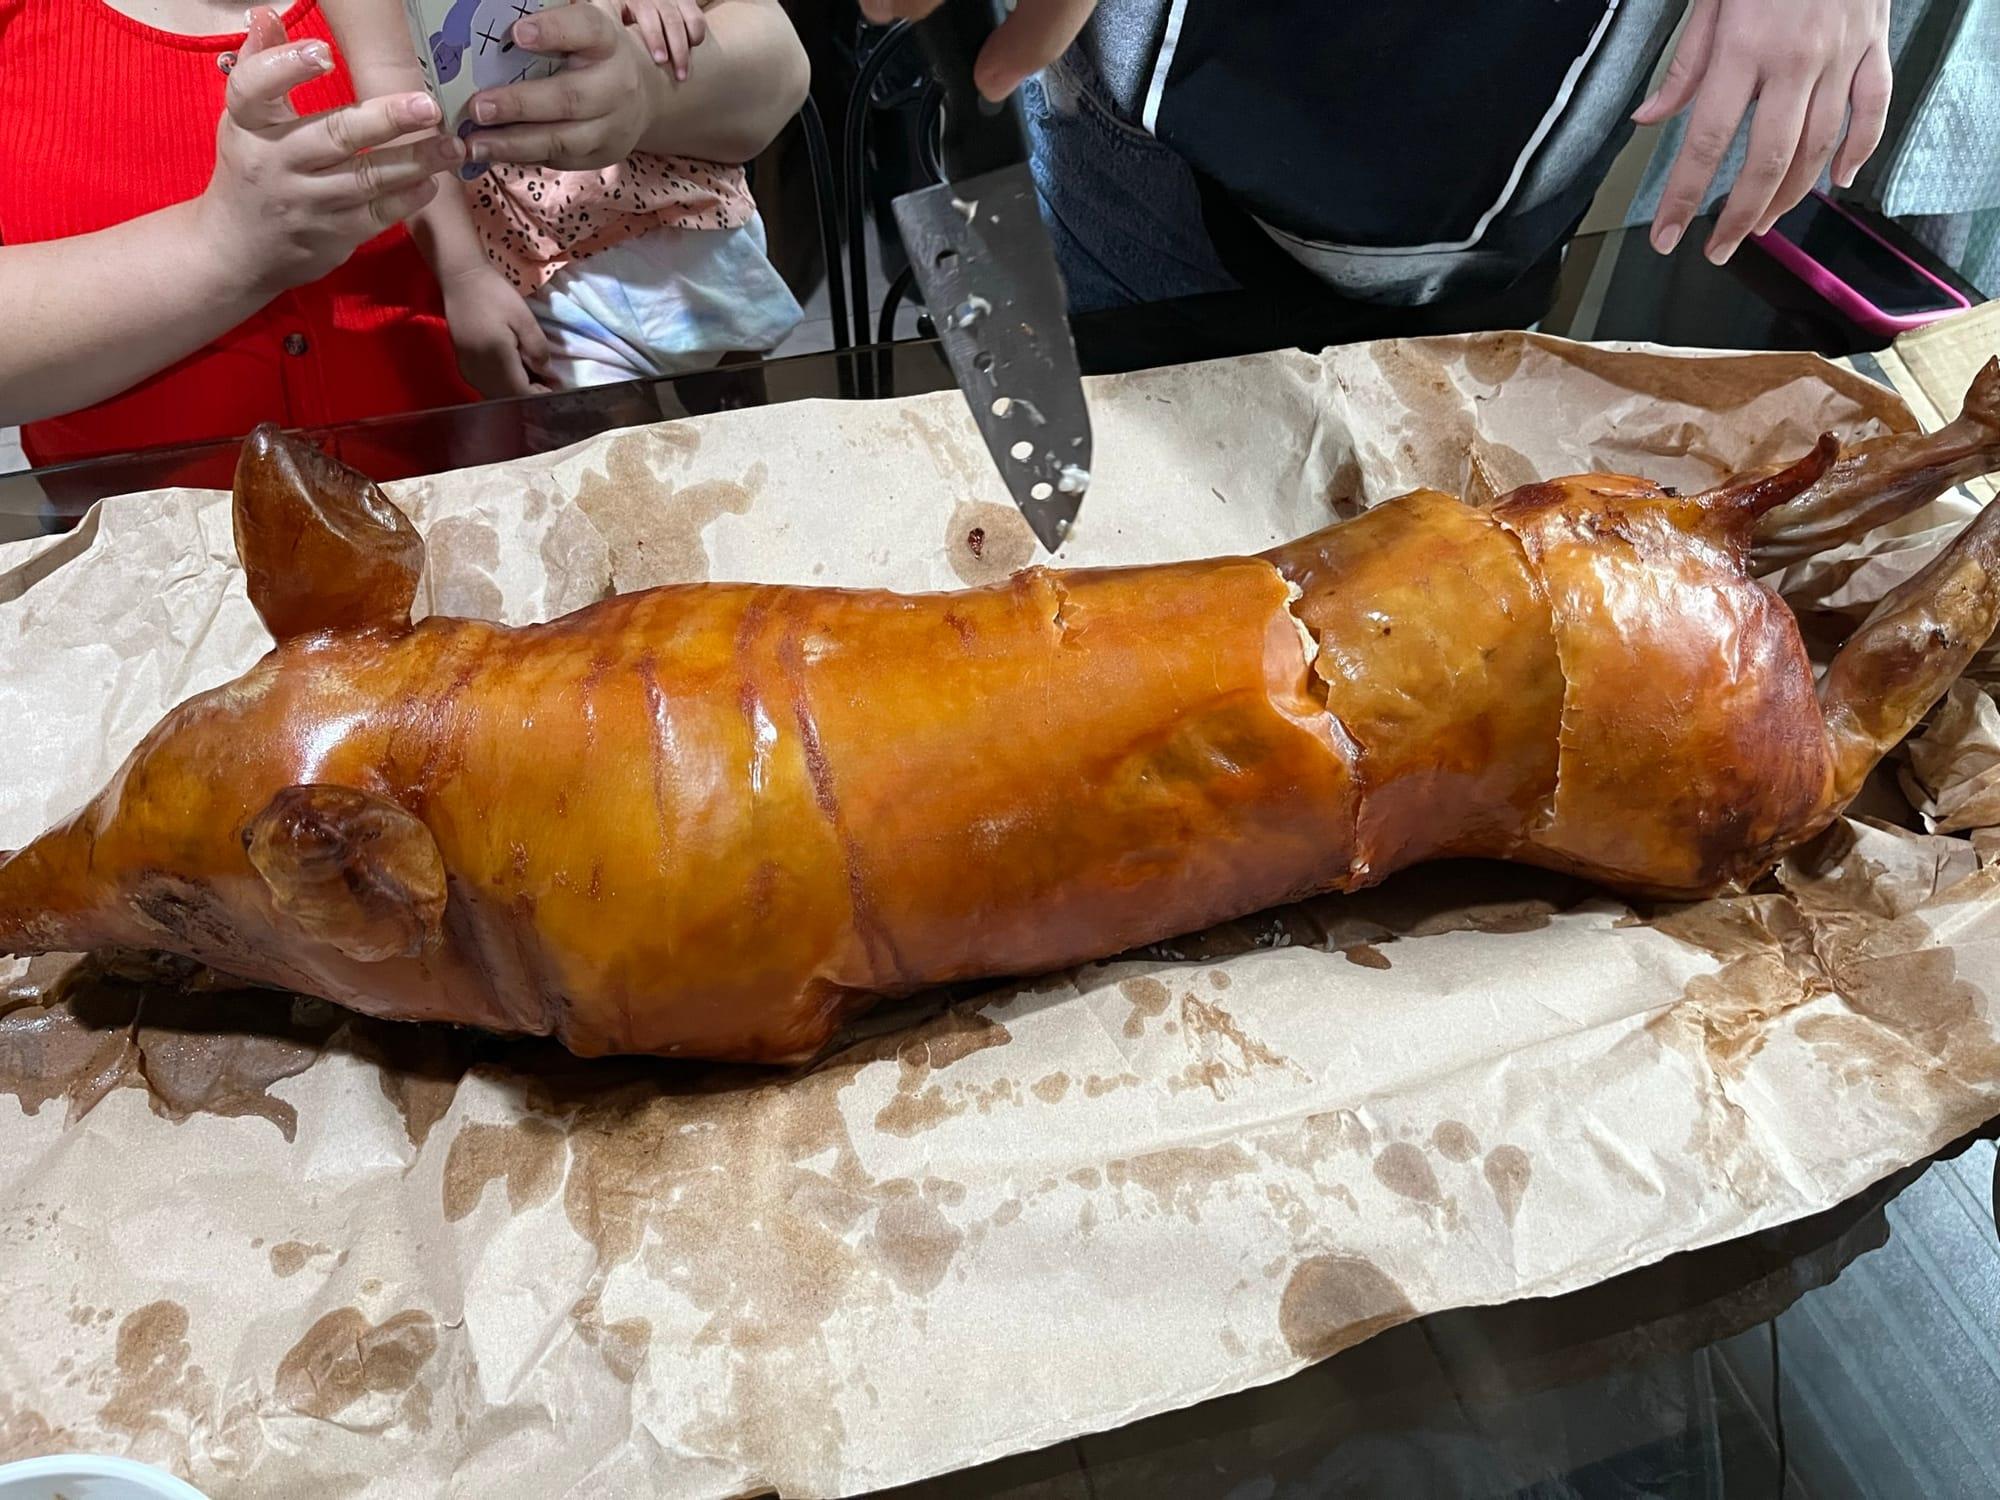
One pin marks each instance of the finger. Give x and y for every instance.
(376, 173)
(1686, 71)
(1035, 35)
(564, 144)
(392, 208)
(677, 47)
(513, 374)
(652, 28)
(1825, 114)
(557, 97)
(1725, 95)
(573, 30)
(532, 342)
(697, 24)
(1869, 98)
(266, 33)
(1776, 138)
(339, 135)
(258, 95)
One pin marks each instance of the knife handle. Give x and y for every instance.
(978, 135)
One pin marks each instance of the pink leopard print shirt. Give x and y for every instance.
(533, 221)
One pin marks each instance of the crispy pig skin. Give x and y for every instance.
(715, 820)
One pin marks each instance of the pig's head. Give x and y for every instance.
(257, 813)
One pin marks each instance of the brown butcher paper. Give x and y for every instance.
(285, 1251)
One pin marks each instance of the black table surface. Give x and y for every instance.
(1712, 1373)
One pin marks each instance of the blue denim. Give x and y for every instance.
(1123, 210)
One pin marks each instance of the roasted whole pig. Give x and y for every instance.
(715, 820)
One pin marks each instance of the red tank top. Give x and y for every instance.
(103, 118)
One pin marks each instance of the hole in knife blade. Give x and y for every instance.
(1022, 451)
(946, 259)
(983, 362)
(1040, 490)
(1001, 406)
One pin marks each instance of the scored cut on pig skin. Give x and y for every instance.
(715, 820)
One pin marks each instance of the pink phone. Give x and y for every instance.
(1866, 279)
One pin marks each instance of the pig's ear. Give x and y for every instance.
(351, 870)
(323, 547)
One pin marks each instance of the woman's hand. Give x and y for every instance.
(292, 198)
(1804, 63)
(591, 114)
(501, 348)
(1032, 37)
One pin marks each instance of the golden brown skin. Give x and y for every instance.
(714, 820)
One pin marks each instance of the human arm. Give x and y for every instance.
(1033, 35)
(1805, 64)
(97, 313)
(289, 200)
(612, 99)
(499, 345)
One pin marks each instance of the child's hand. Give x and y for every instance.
(501, 348)
(671, 29)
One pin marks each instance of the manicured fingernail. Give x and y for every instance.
(527, 33)
(479, 150)
(1845, 179)
(317, 56)
(1666, 236)
(1719, 251)
(680, 75)
(417, 110)
(485, 111)
(659, 54)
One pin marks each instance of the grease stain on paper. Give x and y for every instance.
(1050, 1088)
(1332, 1302)
(153, 1385)
(919, 1104)
(1508, 1171)
(653, 528)
(622, 1343)
(526, 1155)
(290, 1257)
(986, 542)
(1404, 1170)
(343, 1358)
(1455, 1141)
(1148, 998)
(915, 1242)
(1213, 1035)
(131, 1021)
(1180, 1179)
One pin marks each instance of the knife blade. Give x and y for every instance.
(981, 257)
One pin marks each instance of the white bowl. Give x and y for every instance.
(85, 1476)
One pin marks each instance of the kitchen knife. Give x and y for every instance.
(981, 257)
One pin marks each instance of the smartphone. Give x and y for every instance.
(1865, 278)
